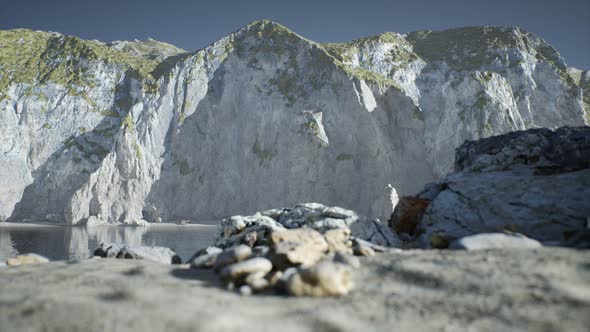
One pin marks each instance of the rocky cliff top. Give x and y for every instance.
(28, 56)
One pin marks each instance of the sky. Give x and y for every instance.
(194, 24)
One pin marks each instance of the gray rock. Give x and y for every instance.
(205, 258)
(495, 241)
(345, 258)
(260, 251)
(232, 255)
(360, 245)
(339, 213)
(161, 255)
(245, 230)
(324, 279)
(241, 269)
(376, 232)
(533, 182)
(254, 230)
(257, 281)
(362, 249)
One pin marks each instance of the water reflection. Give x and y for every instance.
(66, 243)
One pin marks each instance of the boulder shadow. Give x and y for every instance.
(207, 276)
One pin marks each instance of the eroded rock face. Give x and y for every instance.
(132, 131)
(533, 182)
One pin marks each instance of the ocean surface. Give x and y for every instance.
(79, 242)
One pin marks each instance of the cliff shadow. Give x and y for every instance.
(175, 165)
(70, 167)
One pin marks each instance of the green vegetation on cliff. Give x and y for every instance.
(35, 57)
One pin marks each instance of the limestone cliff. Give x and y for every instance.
(131, 131)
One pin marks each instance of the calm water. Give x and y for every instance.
(65, 243)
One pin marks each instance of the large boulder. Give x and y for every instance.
(534, 182)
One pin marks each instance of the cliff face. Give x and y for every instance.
(93, 132)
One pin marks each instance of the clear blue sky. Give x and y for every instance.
(194, 24)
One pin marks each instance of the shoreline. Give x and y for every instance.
(6, 224)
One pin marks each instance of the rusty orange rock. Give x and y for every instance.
(408, 214)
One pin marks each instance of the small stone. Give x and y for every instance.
(241, 269)
(439, 241)
(274, 276)
(495, 241)
(232, 255)
(140, 222)
(276, 214)
(260, 251)
(237, 222)
(375, 232)
(203, 261)
(326, 224)
(339, 240)
(339, 213)
(257, 281)
(282, 278)
(303, 247)
(183, 222)
(360, 248)
(207, 250)
(95, 221)
(325, 279)
(344, 258)
(245, 290)
(250, 239)
(26, 259)
(312, 206)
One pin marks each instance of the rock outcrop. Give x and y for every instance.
(133, 131)
(533, 182)
(155, 254)
(304, 251)
(335, 223)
